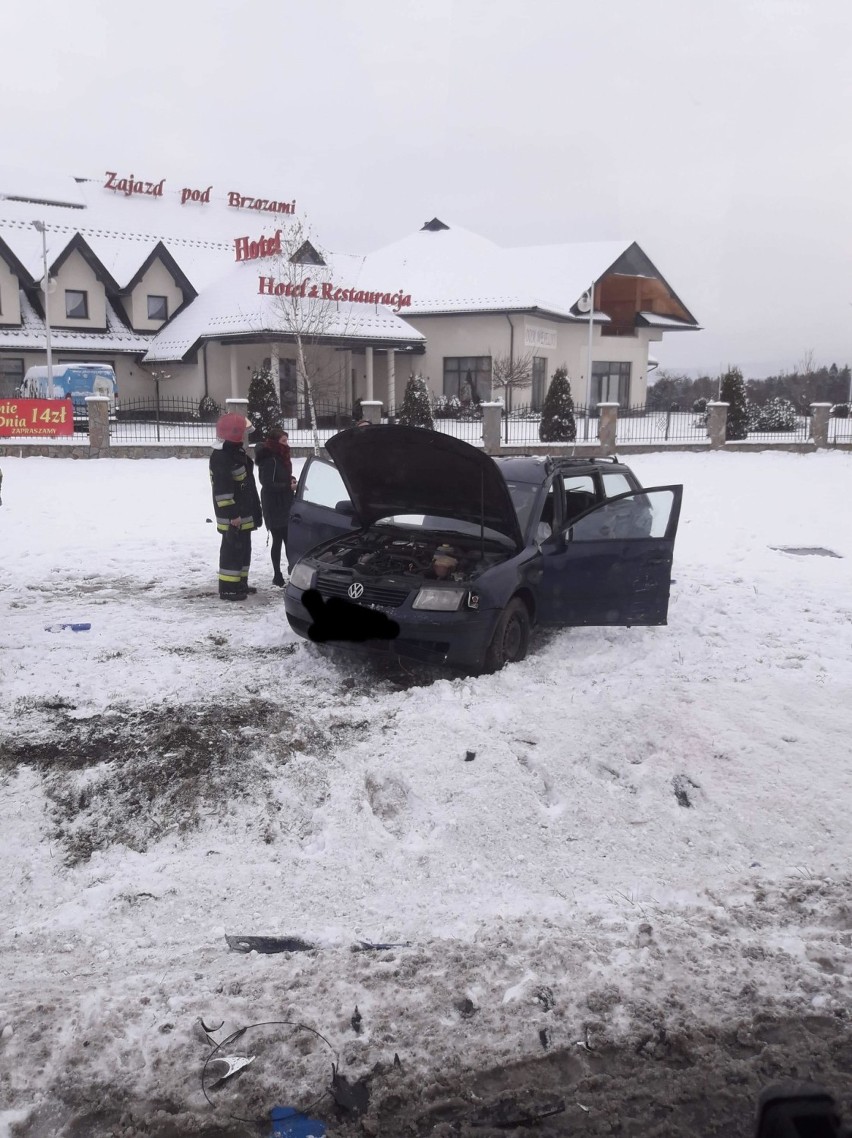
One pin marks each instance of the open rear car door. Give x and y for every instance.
(613, 564)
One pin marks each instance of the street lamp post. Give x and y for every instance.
(40, 226)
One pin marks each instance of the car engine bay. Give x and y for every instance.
(387, 555)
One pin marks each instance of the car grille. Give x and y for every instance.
(383, 595)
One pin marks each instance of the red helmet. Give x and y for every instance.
(232, 427)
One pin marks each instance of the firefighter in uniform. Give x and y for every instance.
(236, 505)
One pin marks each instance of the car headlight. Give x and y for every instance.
(302, 576)
(439, 600)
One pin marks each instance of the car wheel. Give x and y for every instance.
(511, 637)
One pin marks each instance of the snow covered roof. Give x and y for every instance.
(235, 307)
(46, 187)
(453, 270)
(123, 230)
(30, 335)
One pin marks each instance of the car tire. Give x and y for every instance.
(511, 637)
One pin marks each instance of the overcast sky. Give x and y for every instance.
(716, 133)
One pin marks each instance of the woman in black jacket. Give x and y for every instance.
(275, 470)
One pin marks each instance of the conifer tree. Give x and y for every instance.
(416, 408)
(733, 393)
(264, 408)
(557, 416)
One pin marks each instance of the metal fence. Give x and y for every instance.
(462, 420)
(797, 432)
(167, 419)
(840, 430)
(641, 425)
(521, 426)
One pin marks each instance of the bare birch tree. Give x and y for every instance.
(300, 269)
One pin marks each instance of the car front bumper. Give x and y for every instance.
(455, 639)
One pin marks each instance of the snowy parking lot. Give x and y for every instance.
(634, 843)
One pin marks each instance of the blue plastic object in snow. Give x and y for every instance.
(83, 627)
(287, 1122)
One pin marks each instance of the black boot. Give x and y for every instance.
(278, 580)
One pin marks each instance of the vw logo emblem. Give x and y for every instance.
(356, 590)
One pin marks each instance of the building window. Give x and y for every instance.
(467, 377)
(11, 376)
(539, 382)
(76, 304)
(158, 308)
(611, 383)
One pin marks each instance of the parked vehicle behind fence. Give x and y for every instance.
(74, 380)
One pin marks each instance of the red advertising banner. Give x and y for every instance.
(36, 417)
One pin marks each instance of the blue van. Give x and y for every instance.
(74, 380)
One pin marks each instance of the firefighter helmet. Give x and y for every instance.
(231, 428)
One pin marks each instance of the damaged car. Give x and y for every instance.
(465, 554)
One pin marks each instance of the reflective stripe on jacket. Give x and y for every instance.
(234, 489)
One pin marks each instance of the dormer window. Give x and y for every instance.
(306, 254)
(76, 304)
(158, 308)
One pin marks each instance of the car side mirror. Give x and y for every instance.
(345, 507)
(568, 536)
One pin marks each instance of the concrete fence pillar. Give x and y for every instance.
(608, 426)
(717, 423)
(819, 424)
(97, 407)
(492, 420)
(371, 410)
(237, 407)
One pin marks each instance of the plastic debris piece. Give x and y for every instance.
(234, 1063)
(287, 1122)
(469, 756)
(268, 944)
(368, 946)
(512, 1111)
(81, 626)
(352, 1097)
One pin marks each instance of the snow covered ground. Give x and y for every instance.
(653, 833)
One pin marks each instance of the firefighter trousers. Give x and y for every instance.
(234, 561)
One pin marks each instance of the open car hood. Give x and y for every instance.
(408, 470)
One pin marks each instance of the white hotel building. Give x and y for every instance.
(180, 282)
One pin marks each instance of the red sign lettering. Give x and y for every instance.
(35, 417)
(188, 195)
(266, 205)
(325, 290)
(247, 250)
(133, 185)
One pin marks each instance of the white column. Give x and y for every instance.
(369, 366)
(391, 384)
(235, 382)
(348, 385)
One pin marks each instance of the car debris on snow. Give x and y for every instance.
(268, 944)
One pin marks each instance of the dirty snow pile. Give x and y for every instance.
(653, 830)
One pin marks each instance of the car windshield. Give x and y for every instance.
(523, 496)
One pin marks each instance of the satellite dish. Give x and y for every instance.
(50, 287)
(584, 304)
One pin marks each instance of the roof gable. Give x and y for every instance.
(25, 278)
(161, 253)
(78, 244)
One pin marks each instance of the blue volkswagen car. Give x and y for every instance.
(458, 556)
